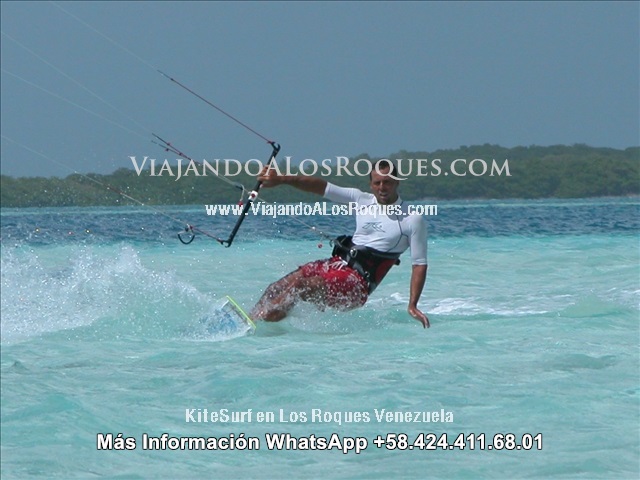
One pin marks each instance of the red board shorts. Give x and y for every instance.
(346, 289)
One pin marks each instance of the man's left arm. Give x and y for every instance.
(418, 246)
(418, 278)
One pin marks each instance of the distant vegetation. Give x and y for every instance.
(536, 172)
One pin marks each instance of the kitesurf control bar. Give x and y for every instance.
(190, 229)
(252, 196)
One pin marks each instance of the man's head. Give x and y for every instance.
(383, 187)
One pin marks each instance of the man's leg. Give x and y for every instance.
(281, 296)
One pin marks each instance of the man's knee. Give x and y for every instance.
(312, 288)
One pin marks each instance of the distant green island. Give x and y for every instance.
(480, 171)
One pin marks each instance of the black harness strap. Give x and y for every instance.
(372, 264)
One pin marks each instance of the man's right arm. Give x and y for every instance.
(270, 178)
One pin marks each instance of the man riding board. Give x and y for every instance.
(384, 230)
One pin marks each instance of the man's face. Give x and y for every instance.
(384, 187)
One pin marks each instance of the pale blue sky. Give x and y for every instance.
(323, 79)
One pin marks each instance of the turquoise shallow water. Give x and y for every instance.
(535, 318)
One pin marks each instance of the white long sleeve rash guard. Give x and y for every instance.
(391, 232)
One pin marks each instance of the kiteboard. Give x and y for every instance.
(230, 313)
(225, 321)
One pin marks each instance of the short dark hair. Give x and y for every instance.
(383, 164)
